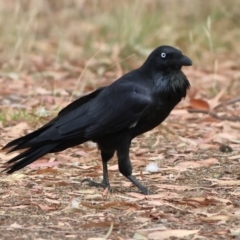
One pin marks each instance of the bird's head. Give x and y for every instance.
(167, 58)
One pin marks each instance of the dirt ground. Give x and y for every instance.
(52, 52)
(196, 190)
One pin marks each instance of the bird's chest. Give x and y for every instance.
(155, 115)
(158, 113)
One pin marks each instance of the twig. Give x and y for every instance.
(82, 73)
(214, 115)
(227, 102)
(109, 231)
(39, 229)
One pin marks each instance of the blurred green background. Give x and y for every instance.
(78, 29)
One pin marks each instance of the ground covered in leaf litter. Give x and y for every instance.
(196, 191)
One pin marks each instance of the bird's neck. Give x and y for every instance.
(172, 85)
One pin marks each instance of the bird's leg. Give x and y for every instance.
(106, 156)
(143, 189)
(125, 166)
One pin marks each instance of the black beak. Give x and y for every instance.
(185, 61)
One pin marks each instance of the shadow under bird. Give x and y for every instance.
(112, 116)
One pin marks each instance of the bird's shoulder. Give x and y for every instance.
(130, 85)
(80, 101)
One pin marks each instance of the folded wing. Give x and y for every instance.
(113, 110)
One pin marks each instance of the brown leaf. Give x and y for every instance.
(184, 166)
(51, 195)
(137, 195)
(174, 187)
(46, 170)
(179, 233)
(19, 207)
(44, 207)
(95, 238)
(117, 205)
(199, 104)
(104, 224)
(113, 167)
(236, 157)
(17, 130)
(215, 218)
(194, 201)
(52, 201)
(163, 195)
(44, 164)
(224, 182)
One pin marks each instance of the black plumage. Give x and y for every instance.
(113, 115)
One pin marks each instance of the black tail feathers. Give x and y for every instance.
(27, 157)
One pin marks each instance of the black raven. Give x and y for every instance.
(113, 115)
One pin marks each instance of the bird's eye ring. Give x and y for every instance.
(163, 55)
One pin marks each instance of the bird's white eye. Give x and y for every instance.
(163, 55)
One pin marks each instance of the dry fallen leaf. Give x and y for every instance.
(215, 218)
(46, 170)
(52, 201)
(17, 130)
(199, 104)
(13, 177)
(15, 225)
(235, 232)
(44, 207)
(224, 182)
(45, 164)
(179, 233)
(184, 166)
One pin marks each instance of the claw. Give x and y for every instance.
(91, 183)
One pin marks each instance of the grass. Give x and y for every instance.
(76, 29)
(16, 115)
(40, 37)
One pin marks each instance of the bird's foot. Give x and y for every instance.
(91, 183)
(143, 189)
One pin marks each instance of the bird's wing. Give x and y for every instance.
(80, 101)
(114, 109)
